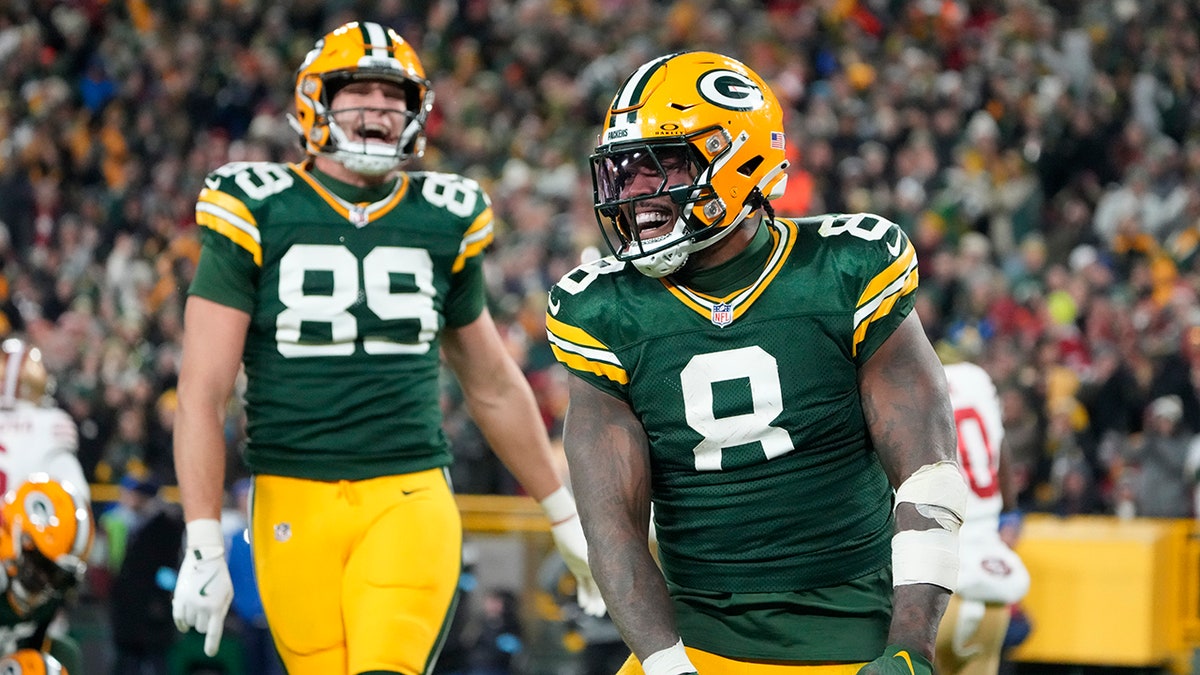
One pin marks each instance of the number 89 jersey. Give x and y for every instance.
(346, 303)
(764, 476)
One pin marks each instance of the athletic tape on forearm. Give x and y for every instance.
(937, 491)
(670, 661)
(559, 505)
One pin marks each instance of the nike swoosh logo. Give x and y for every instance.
(204, 588)
(413, 491)
(553, 305)
(894, 247)
(902, 654)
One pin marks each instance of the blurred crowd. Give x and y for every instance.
(1043, 156)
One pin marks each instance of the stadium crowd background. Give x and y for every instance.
(1044, 157)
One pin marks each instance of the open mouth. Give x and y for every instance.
(653, 223)
(375, 133)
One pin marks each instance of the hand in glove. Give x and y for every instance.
(203, 591)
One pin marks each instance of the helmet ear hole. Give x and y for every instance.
(748, 168)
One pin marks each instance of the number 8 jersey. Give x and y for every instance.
(347, 301)
(764, 476)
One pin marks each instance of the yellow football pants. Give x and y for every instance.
(357, 576)
(711, 664)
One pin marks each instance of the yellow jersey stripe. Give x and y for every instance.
(477, 238)
(372, 211)
(229, 203)
(743, 298)
(569, 333)
(883, 307)
(787, 251)
(235, 234)
(890, 274)
(580, 363)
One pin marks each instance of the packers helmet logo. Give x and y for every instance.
(730, 90)
(39, 509)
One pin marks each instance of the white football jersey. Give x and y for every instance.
(988, 569)
(37, 439)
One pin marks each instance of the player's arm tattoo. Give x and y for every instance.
(608, 454)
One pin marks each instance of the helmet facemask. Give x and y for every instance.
(383, 147)
(631, 216)
(38, 579)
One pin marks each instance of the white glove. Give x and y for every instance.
(568, 537)
(203, 591)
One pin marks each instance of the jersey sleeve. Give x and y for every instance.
(884, 267)
(466, 297)
(231, 251)
(575, 322)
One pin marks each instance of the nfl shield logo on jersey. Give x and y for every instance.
(722, 314)
(358, 215)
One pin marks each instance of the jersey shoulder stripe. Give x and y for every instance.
(228, 216)
(879, 298)
(578, 350)
(476, 239)
(233, 194)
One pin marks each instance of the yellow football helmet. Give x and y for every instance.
(22, 372)
(48, 532)
(31, 662)
(702, 108)
(360, 51)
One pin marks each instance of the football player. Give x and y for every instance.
(336, 282)
(991, 576)
(44, 545)
(35, 436)
(764, 382)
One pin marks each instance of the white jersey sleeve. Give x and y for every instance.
(37, 439)
(988, 569)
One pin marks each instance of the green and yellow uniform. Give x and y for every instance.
(348, 291)
(772, 510)
(30, 630)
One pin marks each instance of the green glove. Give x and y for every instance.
(897, 660)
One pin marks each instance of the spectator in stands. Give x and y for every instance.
(1163, 487)
(145, 536)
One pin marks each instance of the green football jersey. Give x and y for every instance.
(764, 475)
(347, 301)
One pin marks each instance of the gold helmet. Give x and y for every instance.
(48, 532)
(24, 374)
(710, 111)
(31, 662)
(359, 51)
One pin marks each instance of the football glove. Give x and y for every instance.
(203, 591)
(568, 537)
(897, 660)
